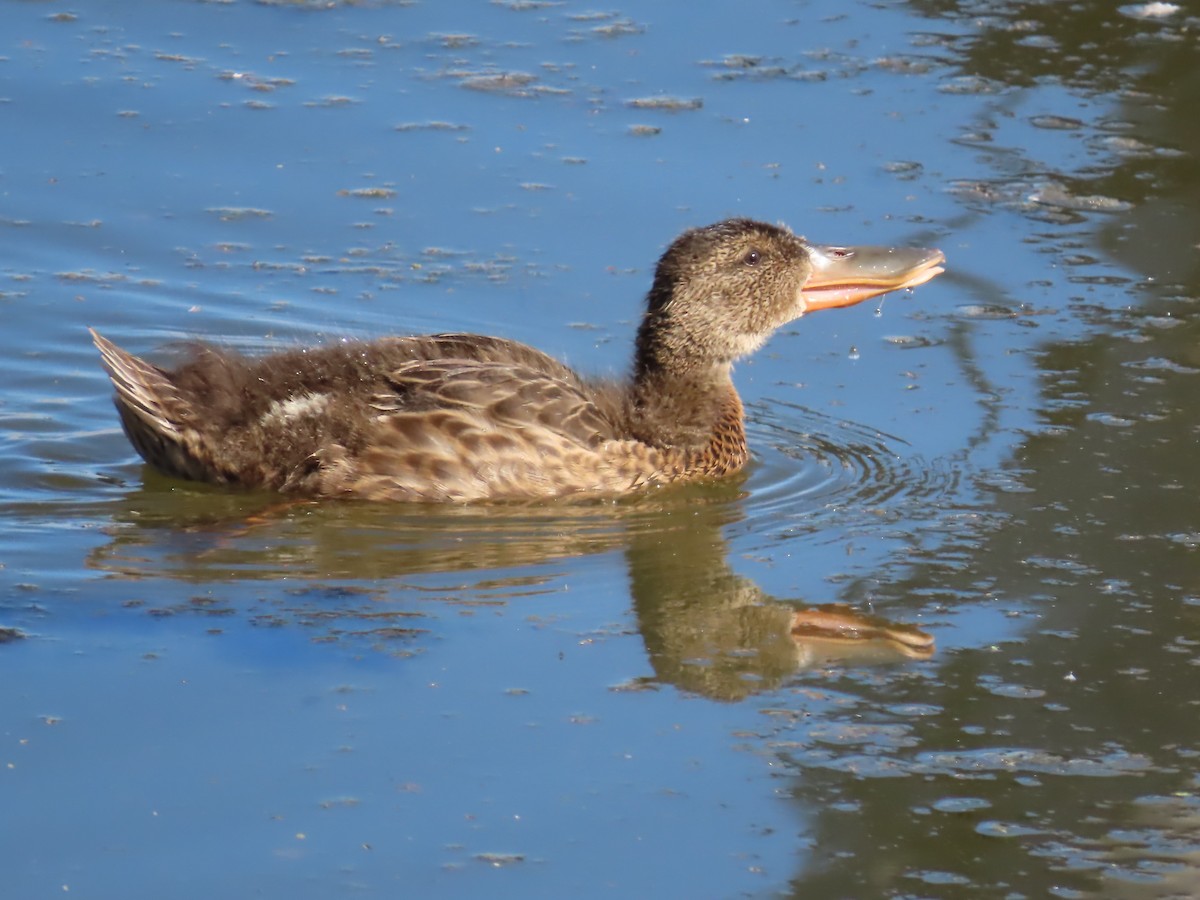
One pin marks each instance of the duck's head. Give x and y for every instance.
(720, 291)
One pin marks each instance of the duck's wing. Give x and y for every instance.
(500, 396)
(462, 429)
(479, 348)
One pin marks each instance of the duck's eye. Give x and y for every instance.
(752, 258)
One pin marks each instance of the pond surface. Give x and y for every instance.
(207, 694)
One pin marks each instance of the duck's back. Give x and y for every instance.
(438, 417)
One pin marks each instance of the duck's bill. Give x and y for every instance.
(834, 624)
(843, 276)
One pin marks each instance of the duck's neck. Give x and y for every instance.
(695, 411)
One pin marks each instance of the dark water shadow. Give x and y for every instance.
(1060, 761)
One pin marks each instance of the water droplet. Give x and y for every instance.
(854, 353)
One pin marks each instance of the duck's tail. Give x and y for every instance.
(156, 416)
(144, 392)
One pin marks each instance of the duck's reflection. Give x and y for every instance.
(712, 631)
(706, 628)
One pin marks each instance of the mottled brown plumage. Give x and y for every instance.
(460, 417)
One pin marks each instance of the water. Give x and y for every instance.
(209, 693)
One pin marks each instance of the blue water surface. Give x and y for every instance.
(208, 693)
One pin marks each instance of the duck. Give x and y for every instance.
(458, 418)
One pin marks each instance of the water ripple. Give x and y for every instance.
(813, 468)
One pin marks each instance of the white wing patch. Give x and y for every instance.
(281, 412)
